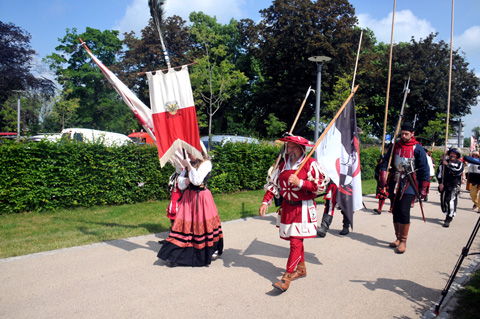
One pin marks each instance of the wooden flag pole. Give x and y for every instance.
(388, 81)
(327, 129)
(449, 86)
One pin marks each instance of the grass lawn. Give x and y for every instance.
(32, 232)
(468, 306)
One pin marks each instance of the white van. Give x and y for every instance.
(96, 136)
(222, 139)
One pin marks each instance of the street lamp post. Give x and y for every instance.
(319, 60)
(18, 110)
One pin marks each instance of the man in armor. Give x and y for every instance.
(409, 175)
(297, 218)
(449, 183)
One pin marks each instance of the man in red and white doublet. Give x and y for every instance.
(297, 213)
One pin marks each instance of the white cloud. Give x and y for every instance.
(136, 17)
(406, 26)
(469, 43)
(138, 13)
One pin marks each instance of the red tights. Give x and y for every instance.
(297, 254)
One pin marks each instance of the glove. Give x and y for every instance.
(382, 179)
(424, 187)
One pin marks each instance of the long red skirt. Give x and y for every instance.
(196, 233)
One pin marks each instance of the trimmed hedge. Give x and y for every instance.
(47, 176)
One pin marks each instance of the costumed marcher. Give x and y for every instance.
(409, 173)
(297, 213)
(449, 184)
(474, 180)
(330, 203)
(196, 236)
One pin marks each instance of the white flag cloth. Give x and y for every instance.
(339, 156)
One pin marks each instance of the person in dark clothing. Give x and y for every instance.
(408, 158)
(449, 183)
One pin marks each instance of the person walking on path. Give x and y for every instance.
(408, 158)
(196, 237)
(330, 203)
(474, 180)
(449, 183)
(297, 213)
(431, 166)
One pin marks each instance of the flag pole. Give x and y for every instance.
(356, 62)
(293, 126)
(327, 129)
(449, 83)
(389, 78)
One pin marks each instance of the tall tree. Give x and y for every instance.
(17, 69)
(214, 77)
(100, 107)
(291, 31)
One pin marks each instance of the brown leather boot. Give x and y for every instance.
(284, 283)
(404, 228)
(301, 271)
(397, 234)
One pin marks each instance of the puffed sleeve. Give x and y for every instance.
(198, 175)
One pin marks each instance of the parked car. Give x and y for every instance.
(96, 136)
(222, 139)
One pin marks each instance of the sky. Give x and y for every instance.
(47, 21)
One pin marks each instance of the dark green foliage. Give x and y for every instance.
(241, 166)
(47, 176)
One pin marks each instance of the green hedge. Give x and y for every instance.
(47, 176)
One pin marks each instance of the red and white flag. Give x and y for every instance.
(174, 115)
(339, 156)
(139, 109)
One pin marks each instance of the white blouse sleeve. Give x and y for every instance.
(198, 175)
(181, 181)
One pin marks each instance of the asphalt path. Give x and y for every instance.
(353, 276)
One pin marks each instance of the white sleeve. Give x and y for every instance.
(198, 175)
(181, 181)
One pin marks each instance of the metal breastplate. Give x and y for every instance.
(403, 164)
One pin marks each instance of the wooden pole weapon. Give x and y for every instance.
(356, 62)
(449, 90)
(399, 123)
(388, 81)
(327, 129)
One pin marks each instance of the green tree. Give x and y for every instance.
(100, 107)
(274, 126)
(434, 132)
(290, 32)
(64, 108)
(214, 77)
(17, 69)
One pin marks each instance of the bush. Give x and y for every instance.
(47, 176)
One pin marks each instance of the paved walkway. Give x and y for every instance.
(354, 276)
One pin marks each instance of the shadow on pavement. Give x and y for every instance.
(410, 290)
